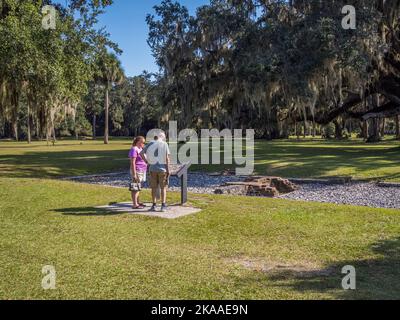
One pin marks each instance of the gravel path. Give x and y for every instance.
(360, 194)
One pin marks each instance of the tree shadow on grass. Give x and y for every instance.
(377, 278)
(308, 160)
(57, 164)
(289, 159)
(86, 212)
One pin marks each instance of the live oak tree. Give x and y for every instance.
(270, 65)
(279, 67)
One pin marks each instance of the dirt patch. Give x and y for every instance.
(303, 270)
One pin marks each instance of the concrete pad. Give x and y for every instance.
(174, 211)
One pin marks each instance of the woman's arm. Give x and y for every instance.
(133, 168)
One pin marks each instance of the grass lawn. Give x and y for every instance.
(286, 158)
(221, 253)
(236, 248)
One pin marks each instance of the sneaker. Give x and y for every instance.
(164, 208)
(153, 209)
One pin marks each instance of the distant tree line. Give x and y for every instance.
(45, 74)
(280, 67)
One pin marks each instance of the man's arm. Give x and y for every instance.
(168, 158)
(144, 156)
(168, 163)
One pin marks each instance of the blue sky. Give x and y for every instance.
(125, 21)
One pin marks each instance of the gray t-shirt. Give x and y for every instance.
(157, 153)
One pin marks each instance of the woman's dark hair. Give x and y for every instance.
(137, 140)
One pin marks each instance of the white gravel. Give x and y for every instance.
(197, 182)
(359, 194)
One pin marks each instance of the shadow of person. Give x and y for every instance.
(85, 211)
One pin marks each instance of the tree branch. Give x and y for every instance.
(388, 110)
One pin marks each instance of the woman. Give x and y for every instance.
(138, 169)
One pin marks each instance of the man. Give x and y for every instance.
(158, 156)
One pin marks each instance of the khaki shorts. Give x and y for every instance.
(142, 176)
(158, 179)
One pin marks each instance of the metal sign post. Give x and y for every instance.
(181, 171)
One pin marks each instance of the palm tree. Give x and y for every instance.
(110, 74)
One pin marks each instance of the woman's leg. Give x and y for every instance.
(142, 177)
(135, 197)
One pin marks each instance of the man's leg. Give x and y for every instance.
(154, 187)
(164, 187)
(164, 195)
(154, 195)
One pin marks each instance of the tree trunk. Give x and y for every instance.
(296, 130)
(37, 126)
(314, 128)
(365, 130)
(53, 132)
(383, 127)
(15, 130)
(28, 124)
(350, 128)
(14, 123)
(338, 130)
(375, 131)
(14, 116)
(47, 134)
(106, 126)
(397, 120)
(76, 132)
(94, 127)
(286, 130)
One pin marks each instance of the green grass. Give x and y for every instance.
(105, 256)
(66, 158)
(220, 253)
